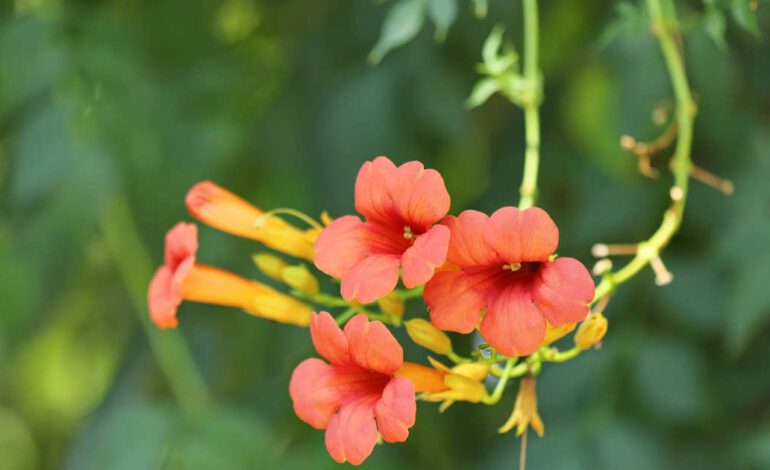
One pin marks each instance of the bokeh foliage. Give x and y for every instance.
(136, 100)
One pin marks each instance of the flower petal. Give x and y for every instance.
(513, 325)
(563, 290)
(318, 389)
(163, 298)
(371, 278)
(467, 247)
(315, 398)
(341, 245)
(372, 345)
(419, 196)
(181, 244)
(420, 261)
(528, 235)
(352, 433)
(395, 412)
(455, 299)
(373, 198)
(328, 339)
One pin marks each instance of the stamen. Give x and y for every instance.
(601, 250)
(602, 266)
(408, 232)
(662, 275)
(512, 267)
(676, 193)
(644, 151)
(721, 184)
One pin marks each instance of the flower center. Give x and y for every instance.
(512, 267)
(408, 232)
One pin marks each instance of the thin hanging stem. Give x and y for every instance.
(523, 453)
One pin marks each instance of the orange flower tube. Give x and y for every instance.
(223, 210)
(181, 278)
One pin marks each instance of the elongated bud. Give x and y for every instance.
(270, 265)
(298, 277)
(311, 234)
(554, 333)
(392, 304)
(428, 336)
(591, 331)
(225, 211)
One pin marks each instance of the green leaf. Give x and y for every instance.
(65, 370)
(480, 8)
(714, 25)
(17, 446)
(443, 13)
(745, 16)
(404, 21)
(496, 62)
(481, 92)
(628, 20)
(492, 45)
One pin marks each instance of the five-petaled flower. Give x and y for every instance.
(401, 205)
(506, 273)
(356, 395)
(182, 278)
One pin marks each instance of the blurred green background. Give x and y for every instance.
(110, 110)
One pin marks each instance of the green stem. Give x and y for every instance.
(517, 371)
(563, 356)
(320, 298)
(407, 294)
(500, 387)
(681, 163)
(262, 220)
(134, 266)
(528, 189)
(346, 315)
(457, 359)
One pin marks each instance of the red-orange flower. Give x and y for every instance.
(505, 269)
(181, 278)
(401, 205)
(357, 395)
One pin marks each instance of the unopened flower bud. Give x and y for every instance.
(298, 277)
(311, 234)
(591, 331)
(428, 336)
(554, 333)
(271, 265)
(392, 304)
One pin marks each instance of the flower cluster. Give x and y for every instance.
(496, 274)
